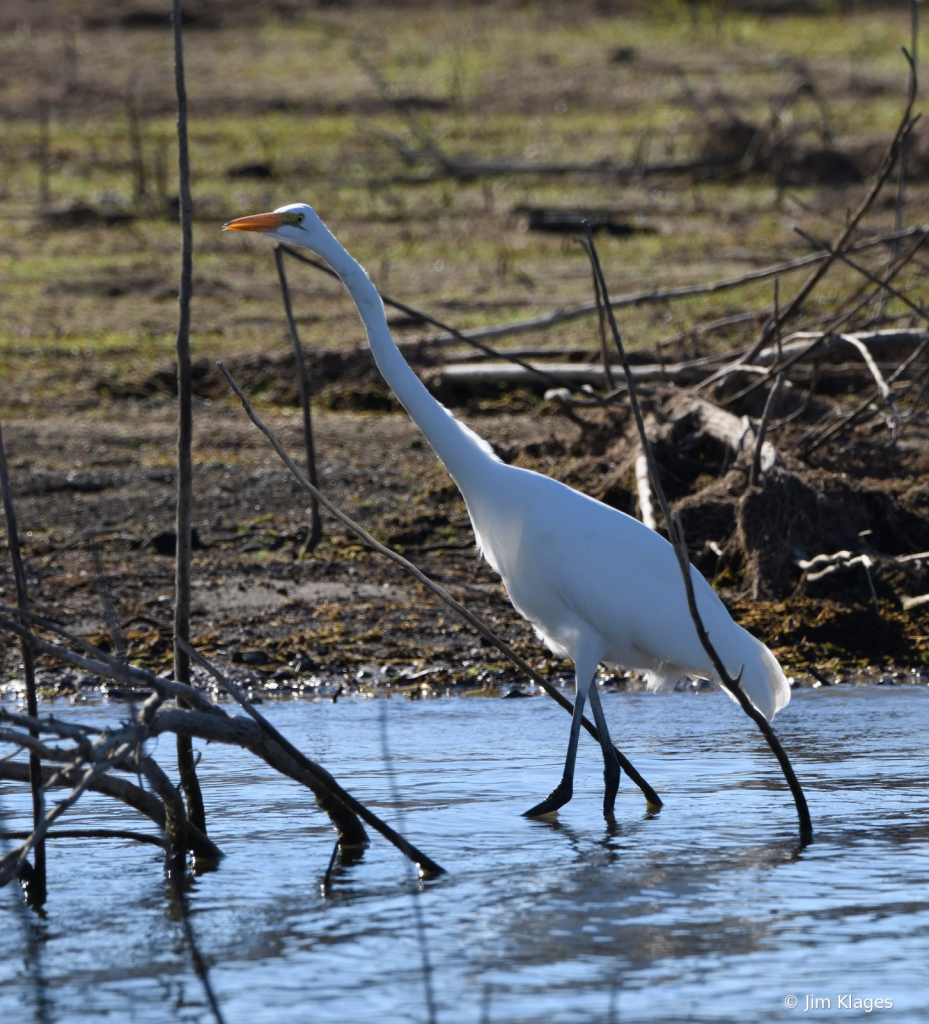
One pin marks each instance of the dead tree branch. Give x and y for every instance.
(676, 533)
(903, 130)
(755, 475)
(655, 295)
(425, 863)
(182, 579)
(316, 779)
(38, 887)
(315, 531)
(118, 789)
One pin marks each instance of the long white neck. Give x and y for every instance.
(465, 455)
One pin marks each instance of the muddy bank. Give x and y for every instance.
(347, 619)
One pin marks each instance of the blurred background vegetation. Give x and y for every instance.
(424, 134)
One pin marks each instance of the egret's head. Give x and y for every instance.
(298, 224)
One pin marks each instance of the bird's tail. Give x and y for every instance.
(763, 679)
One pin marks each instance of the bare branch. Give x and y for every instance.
(755, 474)
(315, 531)
(118, 789)
(185, 476)
(675, 531)
(38, 889)
(655, 295)
(410, 851)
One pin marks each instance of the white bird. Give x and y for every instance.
(596, 584)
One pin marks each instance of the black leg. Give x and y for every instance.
(563, 792)
(610, 761)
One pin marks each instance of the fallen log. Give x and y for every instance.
(699, 417)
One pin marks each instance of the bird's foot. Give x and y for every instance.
(558, 797)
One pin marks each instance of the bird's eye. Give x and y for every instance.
(299, 218)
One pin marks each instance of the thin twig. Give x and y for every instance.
(315, 532)
(89, 833)
(755, 474)
(873, 278)
(675, 531)
(905, 146)
(831, 328)
(651, 796)
(182, 579)
(890, 157)
(109, 610)
(37, 889)
(45, 197)
(601, 331)
(777, 317)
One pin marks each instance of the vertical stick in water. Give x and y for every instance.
(316, 524)
(37, 889)
(417, 909)
(182, 578)
(676, 536)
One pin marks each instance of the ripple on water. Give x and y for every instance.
(703, 912)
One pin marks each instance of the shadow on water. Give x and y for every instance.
(703, 912)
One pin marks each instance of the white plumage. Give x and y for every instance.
(597, 585)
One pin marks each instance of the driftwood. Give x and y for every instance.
(737, 433)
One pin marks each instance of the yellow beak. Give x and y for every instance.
(258, 222)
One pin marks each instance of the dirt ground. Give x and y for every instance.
(345, 617)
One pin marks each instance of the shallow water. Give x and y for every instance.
(702, 912)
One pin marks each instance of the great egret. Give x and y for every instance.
(596, 584)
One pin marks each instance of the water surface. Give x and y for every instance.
(703, 912)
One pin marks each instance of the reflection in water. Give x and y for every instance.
(33, 932)
(704, 912)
